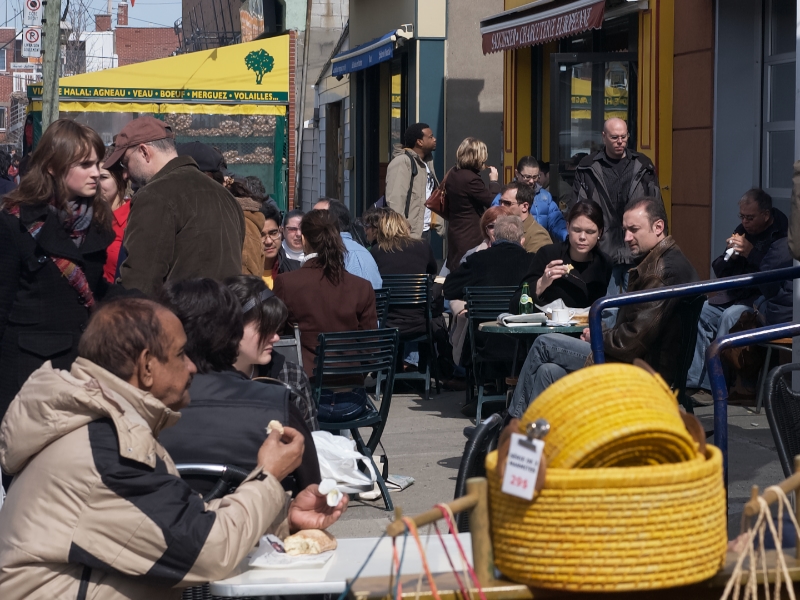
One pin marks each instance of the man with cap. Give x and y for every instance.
(182, 224)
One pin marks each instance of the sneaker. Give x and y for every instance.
(702, 398)
(373, 494)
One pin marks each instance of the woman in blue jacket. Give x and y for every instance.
(544, 209)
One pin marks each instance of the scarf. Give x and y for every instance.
(76, 225)
(291, 253)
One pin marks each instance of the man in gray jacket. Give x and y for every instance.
(613, 177)
(411, 178)
(183, 224)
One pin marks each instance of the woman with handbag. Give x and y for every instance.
(466, 198)
(54, 231)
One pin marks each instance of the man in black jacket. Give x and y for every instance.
(759, 243)
(613, 177)
(182, 224)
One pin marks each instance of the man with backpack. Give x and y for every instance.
(411, 179)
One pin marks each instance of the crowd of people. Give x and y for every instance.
(143, 288)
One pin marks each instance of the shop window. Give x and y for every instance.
(777, 127)
(397, 102)
(3, 125)
(3, 59)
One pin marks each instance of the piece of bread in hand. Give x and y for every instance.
(309, 541)
(274, 425)
(569, 269)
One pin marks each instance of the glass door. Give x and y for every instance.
(585, 91)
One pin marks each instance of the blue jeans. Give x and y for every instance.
(714, 322)
(339, 407)
(618, 284)
(552, 356)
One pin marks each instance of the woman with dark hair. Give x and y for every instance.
(322, 297)
(54, 231)
(468, 197)
(275, 259)
(574, 270)
(264, 316)
(226, 421)
(114, 190)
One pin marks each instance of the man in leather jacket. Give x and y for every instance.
(648, 331)
(613, 177)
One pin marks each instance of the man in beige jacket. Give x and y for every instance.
(410, 180)
(97, 509)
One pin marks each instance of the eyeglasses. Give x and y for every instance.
(528, 177)
(615, 138)
(508, 203)
(292, 229)
(275, 234)
(748, 218)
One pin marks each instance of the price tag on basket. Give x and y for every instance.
(522, 466)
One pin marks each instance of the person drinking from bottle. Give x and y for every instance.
(575, 270)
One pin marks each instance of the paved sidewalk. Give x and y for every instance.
(425, 440)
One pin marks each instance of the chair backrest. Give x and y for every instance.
(228, 477)
(382, 298)
(289, 347)
(409, 290)
(687, 312)
(783, 413)
(485, 304)
(355, 353)
(480, 442)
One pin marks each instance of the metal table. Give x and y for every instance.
(523, 330)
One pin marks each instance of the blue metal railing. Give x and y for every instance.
(754, 336)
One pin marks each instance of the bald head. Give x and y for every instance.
(615, 137)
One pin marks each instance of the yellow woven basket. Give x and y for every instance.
(611, 415)
(613, 529)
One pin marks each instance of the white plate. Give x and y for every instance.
(554, 324)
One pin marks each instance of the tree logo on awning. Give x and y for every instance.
(260, 62)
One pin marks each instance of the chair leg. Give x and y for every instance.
(480, 406)
(428, 381)
(364, 449)
(761, 378)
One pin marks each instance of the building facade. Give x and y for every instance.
(707, 89)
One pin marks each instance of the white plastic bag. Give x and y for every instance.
(338, 460)
(2, 495)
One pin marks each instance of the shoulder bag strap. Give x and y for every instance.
(411, 184)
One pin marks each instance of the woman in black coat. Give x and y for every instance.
(54, 231)
(574, 270)
(397, 253)
(468, 197)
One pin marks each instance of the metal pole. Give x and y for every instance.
(51, 59)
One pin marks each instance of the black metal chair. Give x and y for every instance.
(342, 356)
(382, 298)
(482, 439)
(484, 304)
(688, 311)
(414, 291)
(783, 413)
(289, 347)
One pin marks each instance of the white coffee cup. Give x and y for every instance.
(561, 315)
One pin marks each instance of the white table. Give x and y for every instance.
(347, 559)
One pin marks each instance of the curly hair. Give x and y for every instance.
(212, 319)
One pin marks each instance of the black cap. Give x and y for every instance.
(209, 159)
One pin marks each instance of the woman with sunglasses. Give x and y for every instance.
(275, 259)
(264, 316)
(544, 210)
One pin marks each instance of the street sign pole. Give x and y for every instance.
(51, 31)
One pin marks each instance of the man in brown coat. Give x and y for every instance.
(182, 223)
(518, 197)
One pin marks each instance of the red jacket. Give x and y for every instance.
(118, 222)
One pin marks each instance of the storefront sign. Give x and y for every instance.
(93, 93)
(539, 29)
(364, 56)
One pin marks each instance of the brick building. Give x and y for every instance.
(6, 78)
(139, 44)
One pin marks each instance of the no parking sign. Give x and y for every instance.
(32, 42)
(32, 13)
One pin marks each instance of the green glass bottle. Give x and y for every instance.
(525, 301)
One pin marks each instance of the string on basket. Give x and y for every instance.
(397, 589)
(361, 568)
(763, 520)
(449, 518)
(412, 528)
(465, 592)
